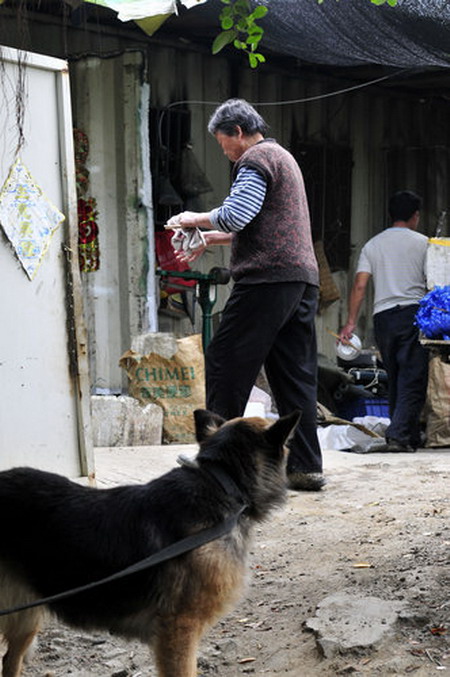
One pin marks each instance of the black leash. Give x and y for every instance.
(179, 548)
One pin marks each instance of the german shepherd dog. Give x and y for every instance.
(57, 535)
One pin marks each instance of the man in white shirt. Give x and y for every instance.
(395, 260)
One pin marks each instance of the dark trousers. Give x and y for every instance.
(406, 363)
(271, 325)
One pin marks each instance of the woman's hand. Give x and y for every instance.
(189, 220)
(189, 256)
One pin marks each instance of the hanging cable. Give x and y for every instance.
(290, 102)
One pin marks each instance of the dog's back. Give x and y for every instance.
(60, 535)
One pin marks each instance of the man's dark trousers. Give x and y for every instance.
(270, 324)
(406, 363)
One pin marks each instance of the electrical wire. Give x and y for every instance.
(290, 102)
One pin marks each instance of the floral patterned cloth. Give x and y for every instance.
(28, 217)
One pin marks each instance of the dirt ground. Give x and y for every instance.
(389, 512)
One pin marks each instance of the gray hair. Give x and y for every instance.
(236, 113)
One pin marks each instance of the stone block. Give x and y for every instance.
(123, 422)
(162, 343)
(346, 623)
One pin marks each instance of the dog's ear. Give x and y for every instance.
(206, 423)
(278, 433)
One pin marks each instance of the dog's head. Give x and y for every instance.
(252, 451)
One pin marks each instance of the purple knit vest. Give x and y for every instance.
(276, 246)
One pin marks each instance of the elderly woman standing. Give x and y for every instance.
(269, 318)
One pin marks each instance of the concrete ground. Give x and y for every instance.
(353, 580)
(350, 579)
(122, 465)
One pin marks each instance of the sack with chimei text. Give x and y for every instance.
(176, 383)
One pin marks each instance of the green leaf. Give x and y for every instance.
(259, 12)
(255, 34)
(227, 23)
(238, 23)
(253, 29)
(253, 39)
(222, 40)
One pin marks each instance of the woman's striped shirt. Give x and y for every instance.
(243, 203)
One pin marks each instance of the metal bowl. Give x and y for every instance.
(350, 350)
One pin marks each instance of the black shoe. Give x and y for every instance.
(306, 481)
(394, 446)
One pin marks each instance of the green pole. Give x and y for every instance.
(207, 295)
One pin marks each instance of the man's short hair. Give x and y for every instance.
(236, 113)
(403, 205)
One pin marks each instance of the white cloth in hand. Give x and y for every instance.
(188, 240)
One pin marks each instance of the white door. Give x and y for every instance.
(44, 394)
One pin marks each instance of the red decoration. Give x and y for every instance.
(88, 243)
(165, 255)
